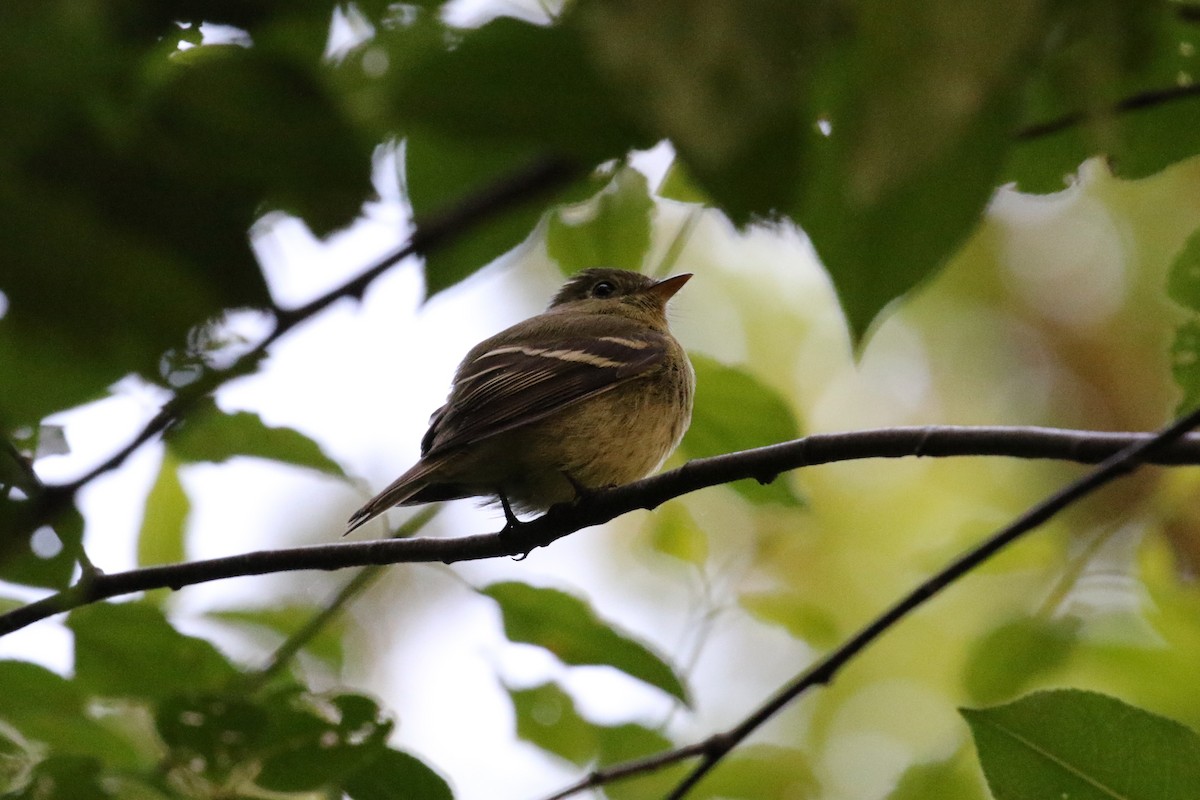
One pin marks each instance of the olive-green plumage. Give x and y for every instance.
(594, 392)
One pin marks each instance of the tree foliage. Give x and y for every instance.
(147, 140)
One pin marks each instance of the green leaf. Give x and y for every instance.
(796, 613)
(1017, 654)
(379, 779)
(1083, 745)
(515, 85)
(547, 718)
(1183, 280)
(891, 193)
(320, 746)
(568, 628)
(956, 778)
(46, 557)
(621, 743)
(611, 229)
(131, 650)
(45, 707)
(209, 434)
(762, 772)
(1185, 363)
(165, 518)
(286, 620)
(66, 777)
(674, 532)
(213, 734)
(729, 87)
(1111, 87)
(439, 173)
(735, 411)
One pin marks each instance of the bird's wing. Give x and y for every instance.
(508, 385)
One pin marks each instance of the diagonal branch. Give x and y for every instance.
(763, 464)
(538, 179)
(1146, 449)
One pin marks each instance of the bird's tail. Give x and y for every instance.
(400, 490)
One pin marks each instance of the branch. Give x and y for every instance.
(763, 464)
(522, 186)
(1121, 463)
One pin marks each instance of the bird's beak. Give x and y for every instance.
(664, 290)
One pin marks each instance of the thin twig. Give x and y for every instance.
(762, 464)
(301, 637)
(1119, 464)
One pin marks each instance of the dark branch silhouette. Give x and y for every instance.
(763, 464)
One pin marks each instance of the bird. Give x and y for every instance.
(592, 393)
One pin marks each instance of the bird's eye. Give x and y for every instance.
(603, 289)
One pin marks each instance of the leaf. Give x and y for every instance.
(379, 779)
(891, 193)
(49, 555)
(131, 650)
(547, 718)
(567, 627)
(65, 777)
(611, 229)
(762, 772)
(1017, 654)
(516, 86)
(728, 86)
(621, 743)
(955, 778)
(1183, 279)
(164, 521)
(209, 434)
(440, 173)
(1104, 55)
(1185, 363)
(1083, 745)
(311, 749)
(795, 612)
(674, 532)
(45, 707)
(735, 411)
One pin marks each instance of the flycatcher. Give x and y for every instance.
(594, 392)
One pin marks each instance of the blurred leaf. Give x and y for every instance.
(440, 173)
(762, 772)
(1105, 53)
(621, 743)
(47, 557)
(675, 533)
(547, 718)
(892, 194)
(209, 434)
(611, 229)
(164, 521)
(1183, 280)
(516, 86)
(45, 707)
(1185, 363)
(311, 748)
(678, 185)
(131, 650)
(796, 613)
(1017, 654)
(726, 84)
(286, 620)
(568, 628)
(66, 777)
(247, 123)
(957, 778)
(212, 734)
(1083, 745)
(735, 411)
(379, 779)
